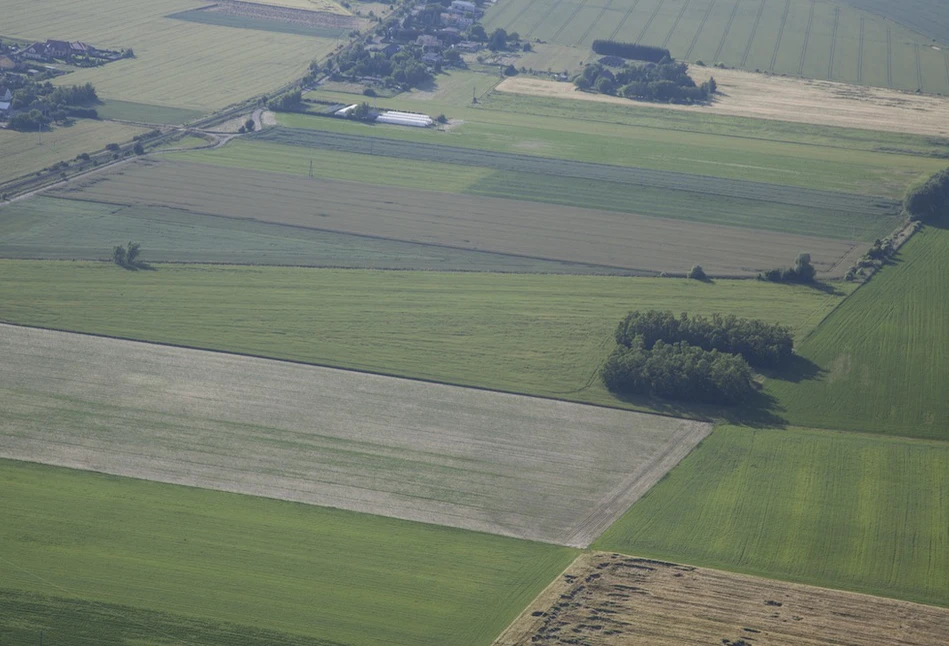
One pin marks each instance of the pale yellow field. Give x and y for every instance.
(26, 152)
(177, 63)
(309, 5)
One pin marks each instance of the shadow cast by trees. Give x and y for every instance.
(127, 257)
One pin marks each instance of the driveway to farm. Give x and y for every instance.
(519, 466)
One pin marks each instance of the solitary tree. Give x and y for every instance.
(803, 268)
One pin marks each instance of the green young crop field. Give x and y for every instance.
(90, 559)
(810, 38)
(851, 163)
(928, 17)
(25, 153)
(884, 354)
(531, 334)
(628, 241)
(177, 64)
(841, 510)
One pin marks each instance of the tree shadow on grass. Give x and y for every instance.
(796, 370)
(759, 410)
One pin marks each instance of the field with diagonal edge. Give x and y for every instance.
(504, 464)
(840, 510)
(531, 334)
(86, 557)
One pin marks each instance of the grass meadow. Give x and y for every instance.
(841, 510)
(84, 556)
(884, 354)
(29, 152)
(177, 64)
(822, 40)
(530, 334)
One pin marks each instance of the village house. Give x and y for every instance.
(464, 6)
(429, 43)
(34, 52)
(5, 94)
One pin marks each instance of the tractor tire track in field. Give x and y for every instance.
(544, 17)
(599, 16)
(777, 42)
(621, 22)
(728, 27)
(833, 44)
(919, 69)
(514, 162)
(685, 7)
(567, 22)
(860, 50)
(655, 12)
(807, 38)
(751, 38)
(698, 32)
(889, 58)
(523, 11)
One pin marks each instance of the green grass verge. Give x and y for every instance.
(884, 354)
(532, 334)
(727, 156)
(317, 575)
(840, 510)
(157, 114)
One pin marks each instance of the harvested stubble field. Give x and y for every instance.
(815, 39)
(229, 66)
(505, 464)
(529, 229)
(760, 96)
(608, 599)
(532, 334)
(851, 511)
(884, 354)
(91, 559)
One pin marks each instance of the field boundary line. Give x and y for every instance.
(833, 44)
(728, 28)
(754, 32)
(599, 16)
(568, 21)
(777, 42)
(807, 37)
(860, 51)
(889, 59)
(655, 12)
(685, 7)
(550, 587)
(366, 371)
(698, 32)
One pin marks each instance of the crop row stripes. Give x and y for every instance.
(655, 12)
(685, 7)
(625, 18)
(833, 44)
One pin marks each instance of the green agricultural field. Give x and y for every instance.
(531, 334)
(839, 510)
(928, 17)
(679, 146)
(810, 38)
(90, 559)
(25, 153)
(177, 64)
(884, 354)
(130, 111)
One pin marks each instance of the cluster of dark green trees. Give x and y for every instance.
(405, 68)
(631, 50)
(127, 257)
(288, 102)
(693, 358)
(42, 103)
(761, 344)
(929, 200)
(667, 81)
(802, 272)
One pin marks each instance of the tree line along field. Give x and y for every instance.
(628, 241)
(810, 38)
(856, 162)
(177, 64)
(884, 354)
(531, 334)
(505, 464)
(89, 559)
(616, 599)
(841, 510)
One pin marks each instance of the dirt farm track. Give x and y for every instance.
(505, 464)
(761, 96)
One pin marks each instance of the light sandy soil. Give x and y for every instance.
(613, 600)
(507, 464)
(762, 96)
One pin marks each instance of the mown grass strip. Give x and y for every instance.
(839, 510)
(190, 559)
